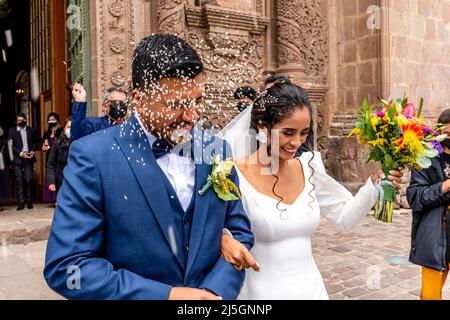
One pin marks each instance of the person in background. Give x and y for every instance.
(5, 182)
(115, 107)
(57, 159)
(51, 134)
(23, 144)
(244, 97)
(428, 195)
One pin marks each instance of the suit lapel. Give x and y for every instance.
(202, 171)
(136, 148)
(200, 214)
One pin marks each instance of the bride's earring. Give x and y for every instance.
(262, 137)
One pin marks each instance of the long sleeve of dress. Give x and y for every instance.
(337, 204)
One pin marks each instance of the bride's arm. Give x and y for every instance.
(338, 204)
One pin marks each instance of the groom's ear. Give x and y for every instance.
(137, 98)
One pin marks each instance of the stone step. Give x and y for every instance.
(27, 226)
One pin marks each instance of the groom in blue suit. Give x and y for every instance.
(130, 223)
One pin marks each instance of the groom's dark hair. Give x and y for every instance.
(163, 55)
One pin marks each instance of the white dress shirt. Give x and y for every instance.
(23, 134)
(179, 170)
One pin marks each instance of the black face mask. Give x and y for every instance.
(117, 109)
(446, 143)
(242, 106)
(52, 124)
(22, 124)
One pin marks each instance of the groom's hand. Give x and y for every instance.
(183, 293)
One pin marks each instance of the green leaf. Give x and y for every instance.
(423, 161)
(365, 104)
(391, 112)
(387, 164)
(224, 196)
(419, 113)
(430, 153)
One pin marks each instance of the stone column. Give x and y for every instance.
(302, 51)
(171, 16)
(113, 39)
(302, 40)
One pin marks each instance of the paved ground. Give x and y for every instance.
(355, 265)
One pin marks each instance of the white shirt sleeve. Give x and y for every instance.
(336, 203)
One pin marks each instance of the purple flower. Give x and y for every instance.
(381, 114)
(426, 130)
(437, 146)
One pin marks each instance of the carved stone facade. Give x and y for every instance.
(114, 38)
(326, 46)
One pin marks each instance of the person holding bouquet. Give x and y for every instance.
(285, 197)
(429, 197)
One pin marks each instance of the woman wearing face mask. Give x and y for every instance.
(57, 159)
(51, 134)
(429, 197)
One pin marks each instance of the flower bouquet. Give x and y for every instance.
(397, 136)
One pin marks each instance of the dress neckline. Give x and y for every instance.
(272, 198)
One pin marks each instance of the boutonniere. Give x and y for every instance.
(218, 179)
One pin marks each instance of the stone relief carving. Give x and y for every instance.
(116, 42)
(233, 52)
(117, 45)
(302, 36)
(171, 17)
(117, 8)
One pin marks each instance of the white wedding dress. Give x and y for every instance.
(283, 246)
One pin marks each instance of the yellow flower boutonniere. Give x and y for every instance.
(218, 179)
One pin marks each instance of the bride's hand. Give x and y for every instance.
(237, 254)
(394, 175)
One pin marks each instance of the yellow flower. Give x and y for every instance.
(378, 142)
(374, 120)
(402, 120)
(411, 142)
(356, 131)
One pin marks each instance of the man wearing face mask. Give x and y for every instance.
(23, 143)
(244, 97)
(115, 107)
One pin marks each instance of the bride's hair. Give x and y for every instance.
(276, 104)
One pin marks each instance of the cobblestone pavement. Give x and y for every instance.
(351, 263)
(356, 264)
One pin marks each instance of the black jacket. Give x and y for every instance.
(429, 205)
(57, 160)
(17, 144)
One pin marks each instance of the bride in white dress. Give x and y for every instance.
(285, 207)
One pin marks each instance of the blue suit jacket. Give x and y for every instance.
(82, 126)
(113, 224)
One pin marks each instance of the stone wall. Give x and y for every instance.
(420, 52)
(354, 75)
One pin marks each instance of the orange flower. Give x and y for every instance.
(411, 131)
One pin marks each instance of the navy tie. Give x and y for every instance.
(160, 148)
